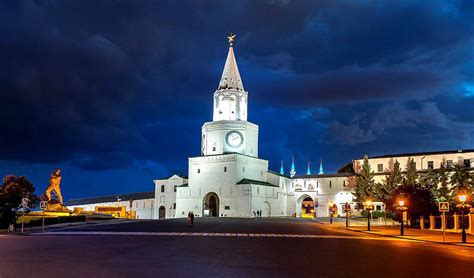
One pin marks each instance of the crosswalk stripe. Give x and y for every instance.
(198, 234)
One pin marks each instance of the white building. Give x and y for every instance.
(424, 161)
(229, 179)
(142, 203)
(165, 196)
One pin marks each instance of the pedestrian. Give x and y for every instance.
(192, 218)
(189, 219)
(260, 213)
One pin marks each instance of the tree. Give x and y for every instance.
(429, 180)
(442, 192)
(461, 178)
(390, 183)
(365, 183)
(12, 191)
(411, 176)
(420, 201)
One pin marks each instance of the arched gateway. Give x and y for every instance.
(210, 205)
(162, 212)
(305, 206)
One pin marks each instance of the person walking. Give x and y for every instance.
(189, 219)
(192, 218)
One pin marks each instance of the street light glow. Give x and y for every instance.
(462, 198)
(401, 203)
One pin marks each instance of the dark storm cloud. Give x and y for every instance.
(114, 84)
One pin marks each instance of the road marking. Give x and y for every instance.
(195, 234)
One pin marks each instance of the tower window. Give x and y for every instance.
(243, 169)
(430, 165)
(175, 188)
(330, 184)
(225, 168)
(199, 170)
(162, 188)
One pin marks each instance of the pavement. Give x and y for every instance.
(225, 248)
(434, 236)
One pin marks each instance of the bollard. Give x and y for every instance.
(432, 222)
(422, 223)
(456, 221)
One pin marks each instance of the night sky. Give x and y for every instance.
(115, 92)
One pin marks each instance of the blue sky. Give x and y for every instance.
(115, 92)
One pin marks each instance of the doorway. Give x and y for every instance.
(162, 212)
(211, 205)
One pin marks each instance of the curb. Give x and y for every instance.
(408, 238)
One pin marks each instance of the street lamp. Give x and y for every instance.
(368, 206)
(331, 205)
(402, 207)
(462, 198)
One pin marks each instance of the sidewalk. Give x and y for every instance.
(415, 234)
(37, 229)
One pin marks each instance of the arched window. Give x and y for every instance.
(162, 188)
(225, 168)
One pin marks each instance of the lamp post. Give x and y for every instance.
(330, 209)
(368, 206)
(347, 209)
(402, 207)
(462, 198)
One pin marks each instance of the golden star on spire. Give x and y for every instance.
(231, 39)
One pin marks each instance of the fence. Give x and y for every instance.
(452, 222)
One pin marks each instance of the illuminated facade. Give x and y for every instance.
(230, 180)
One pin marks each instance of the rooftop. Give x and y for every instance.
(112, 198)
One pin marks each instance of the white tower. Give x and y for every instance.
(229, 132)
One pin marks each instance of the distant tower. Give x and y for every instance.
(308, 172)
(292, 171)
(282, 171)
(321, 171)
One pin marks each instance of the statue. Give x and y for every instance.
(54, 182)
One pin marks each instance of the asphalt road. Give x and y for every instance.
(225, 247)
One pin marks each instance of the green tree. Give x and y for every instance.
(390, 183)
(443, 192)
(12, 191)
(420, 202)
(429, 180)
(461, 178)
(365, 183)
(411, 176)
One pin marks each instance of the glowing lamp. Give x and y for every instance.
(401, 203)
(462, 198)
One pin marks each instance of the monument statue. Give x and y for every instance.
(54, 181)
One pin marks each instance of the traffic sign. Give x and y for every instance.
(443, 206)
(43, 205)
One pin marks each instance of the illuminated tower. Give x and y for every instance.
(321, 171)
(308, 172)
(282, 171)
(292, 171)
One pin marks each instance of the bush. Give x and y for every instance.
(376, 214)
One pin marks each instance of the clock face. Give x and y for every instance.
(234, 139)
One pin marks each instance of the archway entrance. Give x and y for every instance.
(305, 207)
(211, 205)
(162, 212)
